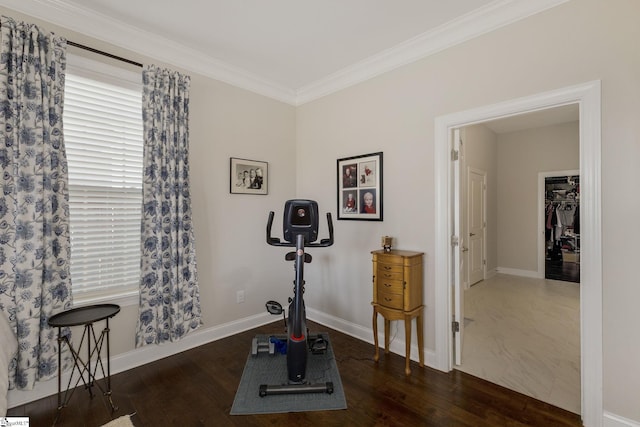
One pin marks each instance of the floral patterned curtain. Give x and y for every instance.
(169, 293)
(34, 211)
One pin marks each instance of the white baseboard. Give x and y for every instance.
(366, 334)
(612, 420)
(517, 272)
(141, 356)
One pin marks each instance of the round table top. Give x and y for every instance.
(84, 315)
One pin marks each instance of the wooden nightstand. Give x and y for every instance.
(397, 295)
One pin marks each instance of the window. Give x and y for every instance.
(103, 138)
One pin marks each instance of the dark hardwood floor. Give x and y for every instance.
(197, 388)
(559, 270)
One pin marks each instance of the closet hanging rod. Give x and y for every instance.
(100, 52)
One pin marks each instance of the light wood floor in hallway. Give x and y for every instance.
(524, 334)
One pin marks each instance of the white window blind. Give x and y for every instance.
(103, 138)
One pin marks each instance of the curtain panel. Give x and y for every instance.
(34, 212)
(169, 292)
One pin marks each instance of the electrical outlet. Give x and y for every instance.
(240, 297)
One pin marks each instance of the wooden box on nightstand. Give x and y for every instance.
(397, 295)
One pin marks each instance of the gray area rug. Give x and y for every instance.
(272, 370)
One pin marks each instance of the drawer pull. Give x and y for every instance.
(387, 275)
(387, 285)
(387, 299)
(386, 268)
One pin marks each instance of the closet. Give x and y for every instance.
(562, 228)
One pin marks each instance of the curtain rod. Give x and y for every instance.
(99, 52)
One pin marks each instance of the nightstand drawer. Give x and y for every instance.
(390, 268)
(388, 258)
(390, 275)
(391, 286)
(390, 300)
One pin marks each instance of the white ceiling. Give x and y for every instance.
(292, 50)
(290, 42)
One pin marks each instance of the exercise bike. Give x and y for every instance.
(300, 229)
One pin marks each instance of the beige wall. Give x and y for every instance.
(579, 41)
(521, 156)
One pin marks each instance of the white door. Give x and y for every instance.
(476, 197)
(457, 243)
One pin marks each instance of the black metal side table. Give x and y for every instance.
(86, 316)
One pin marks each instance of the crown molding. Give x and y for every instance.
(101, 27)
(494, 15)
(481, 21)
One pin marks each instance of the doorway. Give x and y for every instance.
(521, 331)
(559, 204)
(587, 96)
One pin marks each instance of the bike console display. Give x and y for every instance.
(301, 217)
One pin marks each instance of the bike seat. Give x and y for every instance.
(291, 256)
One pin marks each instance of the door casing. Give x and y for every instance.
(588, 97)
